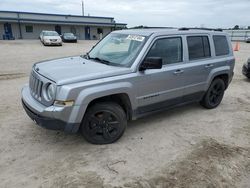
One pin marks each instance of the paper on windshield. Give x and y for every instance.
(136, 38)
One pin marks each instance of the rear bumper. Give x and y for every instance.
(246, 71)
(45, 116)
(231, 78)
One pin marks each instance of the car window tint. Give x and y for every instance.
(198, 47)
(169, 49)
(221, 45)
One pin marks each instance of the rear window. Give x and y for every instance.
(198, 47)
(221, 45)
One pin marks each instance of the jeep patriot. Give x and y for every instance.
(127, 75)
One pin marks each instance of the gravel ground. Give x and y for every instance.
(183, 147)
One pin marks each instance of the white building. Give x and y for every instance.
(27, 25)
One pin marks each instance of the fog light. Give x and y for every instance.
(64, 103)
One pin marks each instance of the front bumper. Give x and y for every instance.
(69, 40)
(246, 71)
(47, 117)
(55, 43)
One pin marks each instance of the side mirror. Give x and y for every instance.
(151, 63)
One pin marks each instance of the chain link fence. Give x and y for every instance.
(238, 35)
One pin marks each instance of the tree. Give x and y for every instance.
(236, 27)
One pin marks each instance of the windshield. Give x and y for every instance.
(50, 33)
(118, 49)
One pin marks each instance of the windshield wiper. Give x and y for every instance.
(106, 62)
(100, 60)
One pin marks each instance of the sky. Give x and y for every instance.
(153, 13)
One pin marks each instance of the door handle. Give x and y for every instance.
(178, 72)
(209, 65)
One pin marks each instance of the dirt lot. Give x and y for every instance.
(184, 147)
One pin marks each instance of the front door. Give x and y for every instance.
(58, 29)
(8, 30)
(87, 33)
(160, 88)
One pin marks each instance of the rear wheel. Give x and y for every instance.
(214, 94)
(104, 123)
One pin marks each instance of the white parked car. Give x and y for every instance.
(50, 38)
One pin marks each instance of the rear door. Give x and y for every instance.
(199, 65)
(160, 88)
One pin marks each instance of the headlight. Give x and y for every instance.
(50, 92)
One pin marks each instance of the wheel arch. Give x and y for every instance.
(224, 77)
(121, 99)
(122, 93)
(222, 73)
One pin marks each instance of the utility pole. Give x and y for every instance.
(82, 8)
(19, 26)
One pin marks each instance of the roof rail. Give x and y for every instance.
(146, 27)
(159, 28)
(194, 28)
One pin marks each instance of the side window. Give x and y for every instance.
(221, 45)
(29, 29)
(169, 49)
(198, 47)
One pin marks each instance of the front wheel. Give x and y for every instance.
(214, 94)
(104, 123)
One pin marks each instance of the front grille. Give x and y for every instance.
(36, 87)
(53, 40)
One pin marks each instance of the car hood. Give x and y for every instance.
(75, 69)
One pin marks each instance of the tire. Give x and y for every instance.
(104, 123)
(214, 94)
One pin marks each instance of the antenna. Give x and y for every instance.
(83, 8)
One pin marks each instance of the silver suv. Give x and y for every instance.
(127, 75)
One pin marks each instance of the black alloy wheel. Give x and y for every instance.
(214, 95)
(104, 123)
